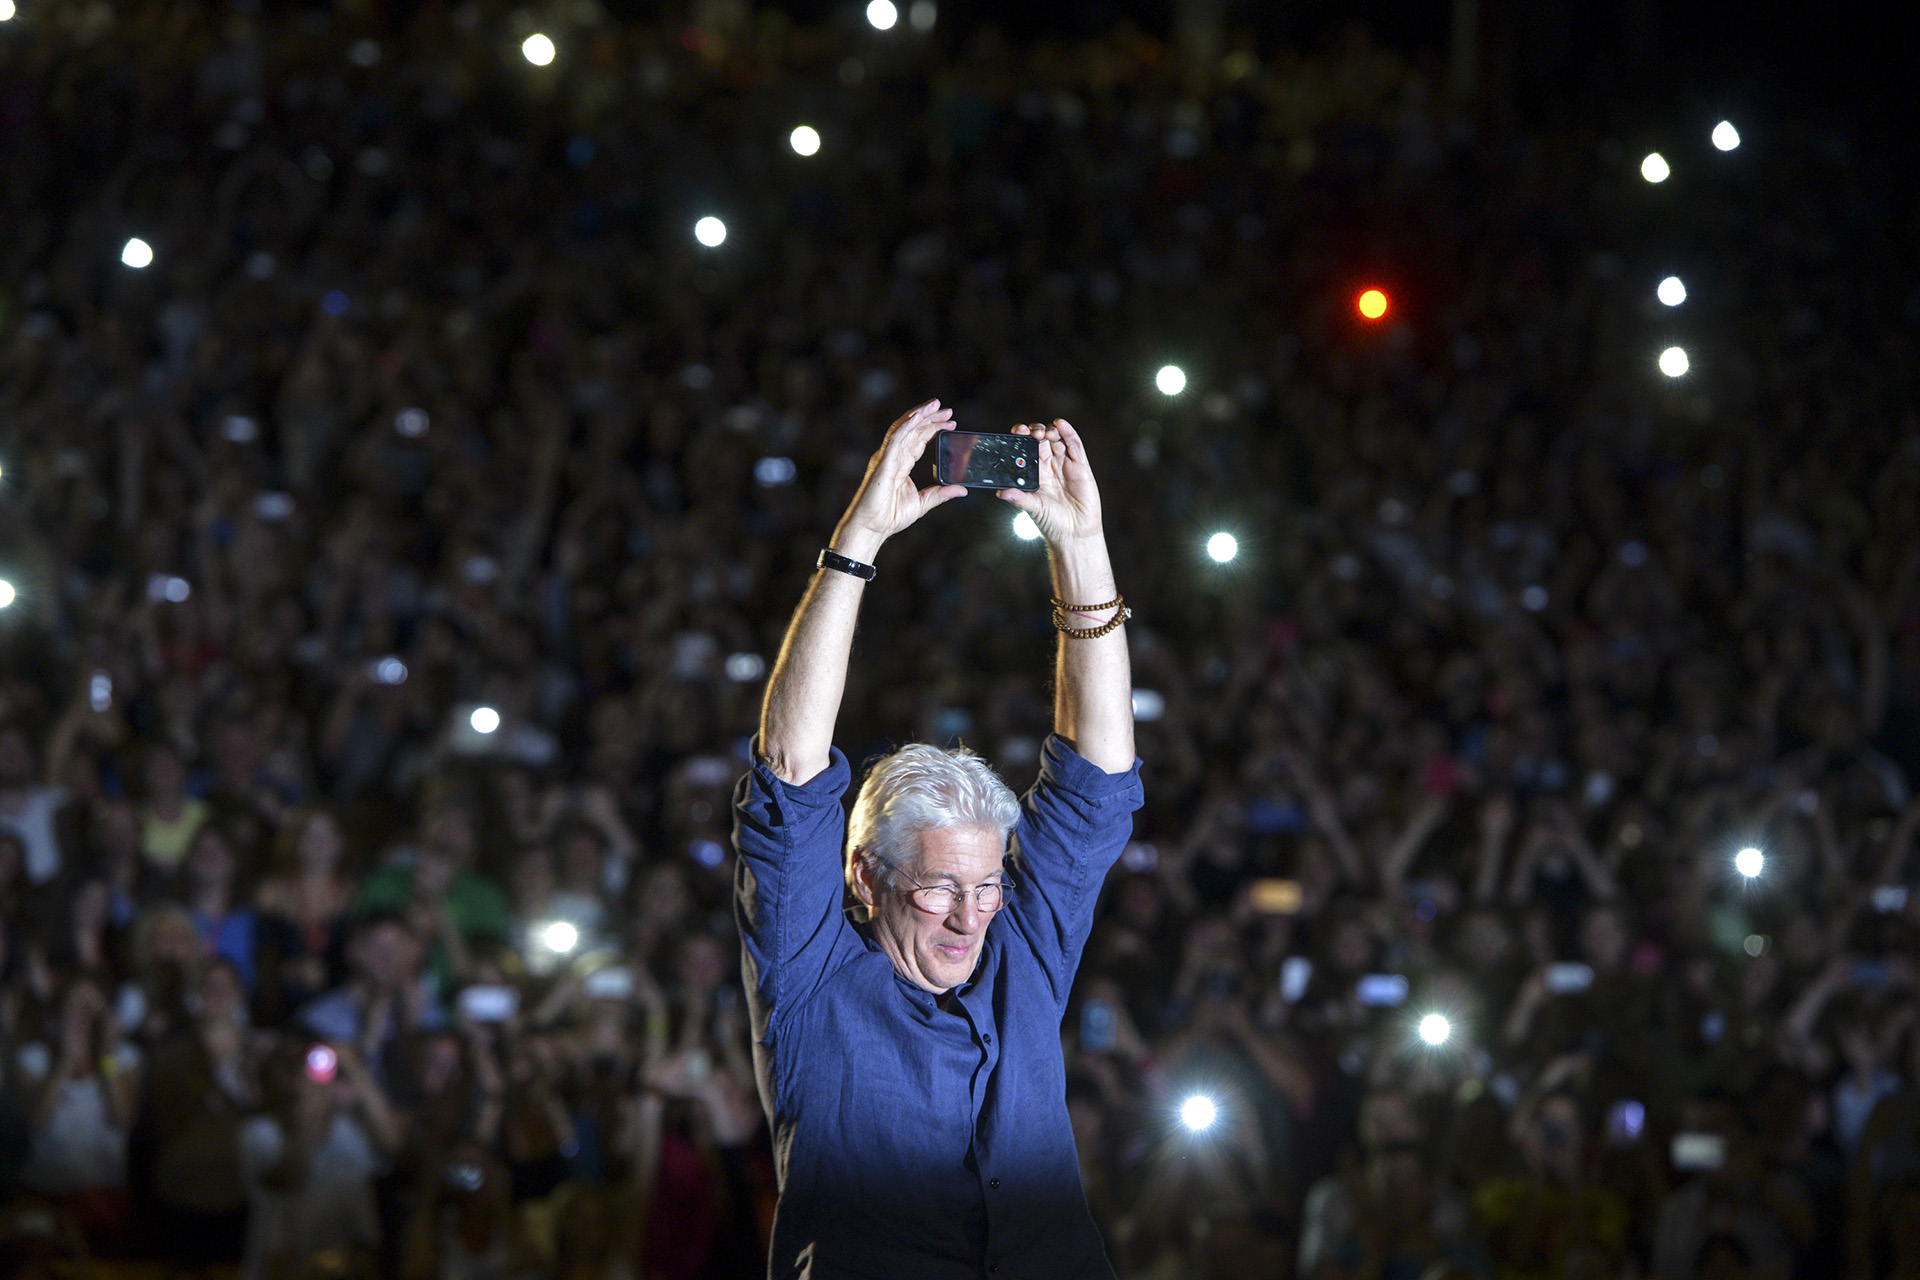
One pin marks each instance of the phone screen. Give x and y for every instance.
(611, 983)
(988, 460)
(489, 1003)
(1382, 990)
(1295, 973)
(1098, 1027)
(1699, 1152)
(1566, 979)
(1626, 1121)
(1275, 897)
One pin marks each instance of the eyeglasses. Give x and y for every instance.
(941, 899)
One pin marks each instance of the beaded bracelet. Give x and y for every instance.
(1060, 611)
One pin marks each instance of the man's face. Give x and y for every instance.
(936, 952)
(387, 954)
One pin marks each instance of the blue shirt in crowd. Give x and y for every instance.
(913, 1141)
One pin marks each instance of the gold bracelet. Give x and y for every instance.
(1089, 633)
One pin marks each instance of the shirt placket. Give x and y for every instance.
(975, 1004)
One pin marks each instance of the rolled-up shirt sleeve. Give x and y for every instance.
(1074, 822)
(789, 881)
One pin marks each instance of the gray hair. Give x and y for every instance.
(917, 788)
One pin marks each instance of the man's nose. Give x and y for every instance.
(966, 913)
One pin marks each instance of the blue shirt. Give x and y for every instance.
(912, 1141)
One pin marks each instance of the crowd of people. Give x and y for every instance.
(397, 560)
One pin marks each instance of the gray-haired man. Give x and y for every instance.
(910, 1060)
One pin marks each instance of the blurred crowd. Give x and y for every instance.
(396, 562)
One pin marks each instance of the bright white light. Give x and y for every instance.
(1222, 547)
(805, 140)
(1024, 528)
(1171, 380)
(1198, 1112)
(559, 937)
(484, 719)
(710, 231)
(6, 10)
(537, 49)
(1671, 291)
(1673, 362)
(1749, 862)
(1434, 1028)
(882, 14)
(6, 593)
(137, 253)
(1654, 167)
(1725, 136)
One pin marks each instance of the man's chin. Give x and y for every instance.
(952, 970)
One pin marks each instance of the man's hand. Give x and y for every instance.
(1067, 504)
(888, 501)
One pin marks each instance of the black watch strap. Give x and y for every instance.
(831, 559)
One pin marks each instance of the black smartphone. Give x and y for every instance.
(988, 460)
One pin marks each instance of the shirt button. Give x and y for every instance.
(987, 1038)
(993, 1184)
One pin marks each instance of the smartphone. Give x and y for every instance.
(1626, 1121)
(1295, 973)
(1699, 1152)
(1275, 897)
(489, 1003)
(987, 460)
(1890, 898)
(1566, 979)
(273, 506)
(100, 691)
(1382, 990)
(1097, 1027)
(322, 1064)
(615, 982)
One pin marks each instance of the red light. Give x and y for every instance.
(1372, 304)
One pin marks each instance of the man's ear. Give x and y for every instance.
(862, 878)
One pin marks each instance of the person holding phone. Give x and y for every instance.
(908, 1049)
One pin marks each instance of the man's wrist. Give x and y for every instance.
(1082, 570)
(855, 544)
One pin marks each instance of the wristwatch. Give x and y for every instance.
(831, 559)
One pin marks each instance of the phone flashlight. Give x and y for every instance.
(322, 1064)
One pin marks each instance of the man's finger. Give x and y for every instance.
(908, 440)
(1070, 439)
(908, 422)
(913, 444)
(926, 407)
(1027, 502)
(927, 419)
(935, 494)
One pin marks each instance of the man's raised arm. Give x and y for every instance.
(803, 697)
(1093, 691)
